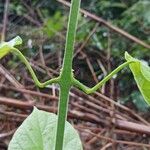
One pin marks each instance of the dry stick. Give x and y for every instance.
(87, 39)
(44, 64)
(90, 102)
(41, 54)
(79, 115)
(23, 105)
(127, 124)
(100, 104)
(13, 114)
(37, 68)
(91, 69)
(95, 108)
(33, 14)
(56, 98)
(104, 72)
(23, 116)
(109, 25)
(106, 146)
(95, 116)
(26, 105)
(30, 10)
(90, 66)
(87, 109)
(102, 67)
(105, 98)
(13, 81)
(123, 107)
(4, 135)
(43, 95)
(42, 68)
(5, 20)
(111, 91)
(98, 129)
(94, 139)
(122, 123)
(116, 141)
(2, 80)
(31, 19)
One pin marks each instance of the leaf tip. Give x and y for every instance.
(15, 41)
(34, 108)
(18, 40)
(127, 56)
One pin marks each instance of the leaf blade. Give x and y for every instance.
(141, 73)
(38, 133)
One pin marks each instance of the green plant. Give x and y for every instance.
(53, 25)
(38, 131)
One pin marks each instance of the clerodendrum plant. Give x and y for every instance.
(45, 131)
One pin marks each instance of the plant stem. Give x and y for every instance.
(88, 90)
(63, 107)
(71, 33)
(66, 75)
(37, 82)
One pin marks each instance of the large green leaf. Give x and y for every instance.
(6, 47)
(38, 133)
(141, 74)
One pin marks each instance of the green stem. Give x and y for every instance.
(37, 82)
(66, 75)
(96, 87)
(63, 107)
(71, 33)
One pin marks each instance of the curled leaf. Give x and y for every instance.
(6, 47)
(141, 73)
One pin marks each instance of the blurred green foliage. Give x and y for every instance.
(53, 24)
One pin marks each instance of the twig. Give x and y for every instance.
(123, 107)
(130, 126)
(43, 95)
(91, 69)
(87, 39)
(106, 146)
(116, 141)
(13, 81)
(5, 20)
(4, 135)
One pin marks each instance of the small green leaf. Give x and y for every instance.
(6, 47)
(38, 132)
(141, 74)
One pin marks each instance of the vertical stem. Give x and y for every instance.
(62, 114)
(71, 33)
(66, 75)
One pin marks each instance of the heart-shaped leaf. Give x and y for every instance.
(141, 74)
(38, 132)
(6, 47)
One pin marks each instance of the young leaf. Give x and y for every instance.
(38, 132)
(141, 74)
(6, 47)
